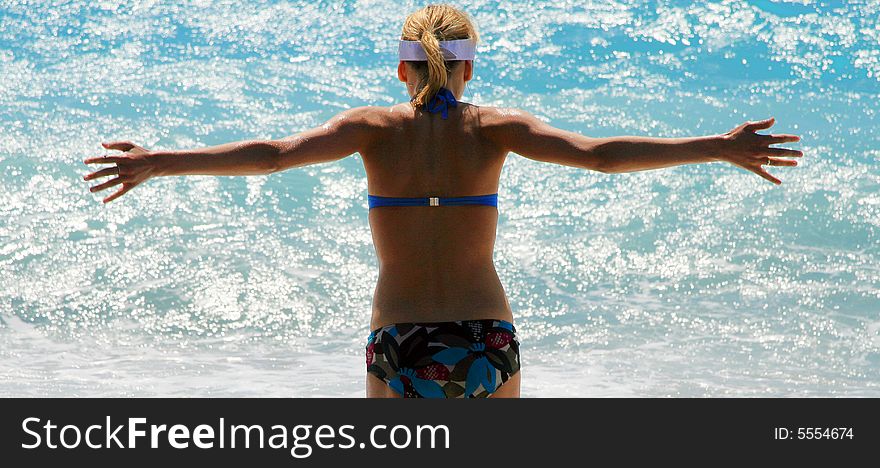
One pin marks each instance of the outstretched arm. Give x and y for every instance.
(344, 134)
(525, 134)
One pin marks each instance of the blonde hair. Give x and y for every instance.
(430, 25)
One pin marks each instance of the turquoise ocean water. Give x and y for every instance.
(701, 280)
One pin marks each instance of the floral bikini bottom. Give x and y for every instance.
(461, 359)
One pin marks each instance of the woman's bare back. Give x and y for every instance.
(435, 263)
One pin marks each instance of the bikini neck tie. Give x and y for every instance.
(441, 102)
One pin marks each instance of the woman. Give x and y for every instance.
(441, 324)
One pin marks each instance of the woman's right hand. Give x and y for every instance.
(746, 148)
(133, 166)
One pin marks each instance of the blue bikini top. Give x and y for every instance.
(376, 201)
(439, 103)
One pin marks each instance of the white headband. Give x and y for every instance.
(459, 49)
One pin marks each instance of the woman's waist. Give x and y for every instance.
(435, 258)
(474, 295)
(438, 280)
(431, 291)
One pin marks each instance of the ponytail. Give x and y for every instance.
(438, 74)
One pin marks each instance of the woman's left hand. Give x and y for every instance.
(750, 150)
(133, 167)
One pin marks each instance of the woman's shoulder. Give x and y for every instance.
(501, 122)
(498, 115)
(380, 116)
